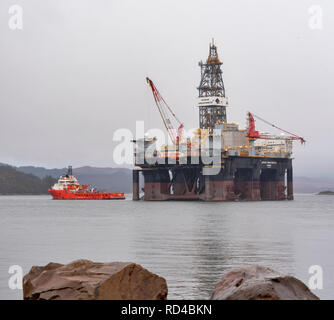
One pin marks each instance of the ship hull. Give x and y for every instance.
(67, 195)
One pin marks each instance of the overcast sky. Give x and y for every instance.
(76, 73)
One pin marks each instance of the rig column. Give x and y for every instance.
(290, 183)
(207, 188)
(256, 191)
(135, 185)
(280, 185)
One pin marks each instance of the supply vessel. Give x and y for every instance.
(68, 188)
(244, 164)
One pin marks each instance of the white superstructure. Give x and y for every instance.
(64, 181)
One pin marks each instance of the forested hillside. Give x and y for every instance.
(16, 182)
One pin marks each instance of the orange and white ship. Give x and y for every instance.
(68, 188)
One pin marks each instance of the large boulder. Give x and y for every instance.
(87, 280)
(260, 283)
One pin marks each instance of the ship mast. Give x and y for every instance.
(69, 171)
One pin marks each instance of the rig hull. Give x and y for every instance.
(240, 178)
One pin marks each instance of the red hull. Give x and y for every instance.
(84, 195)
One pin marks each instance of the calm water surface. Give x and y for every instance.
(191, 244)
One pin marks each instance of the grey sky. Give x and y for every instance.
(76, 73)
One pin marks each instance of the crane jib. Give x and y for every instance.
(164, 109)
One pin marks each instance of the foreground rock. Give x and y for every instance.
(260, 283)
(87, 280)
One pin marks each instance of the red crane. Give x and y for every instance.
(166, 112)
(253, 134)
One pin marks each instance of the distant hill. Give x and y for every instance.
(326, 193)
(41, 172)
(120, 179)
(312, 185)
(108, 179)
(13, 181)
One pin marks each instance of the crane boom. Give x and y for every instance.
(253, 134)
(166, 112)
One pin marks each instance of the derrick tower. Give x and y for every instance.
(212, 101)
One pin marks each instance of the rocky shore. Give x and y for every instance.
(260, 283)
(87, 280)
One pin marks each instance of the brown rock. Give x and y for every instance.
(87, 280)
(260, 283)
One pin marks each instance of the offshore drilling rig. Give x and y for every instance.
(244, 164)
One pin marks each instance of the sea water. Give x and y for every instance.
(190, 244)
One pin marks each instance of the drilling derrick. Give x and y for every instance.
(212, 102)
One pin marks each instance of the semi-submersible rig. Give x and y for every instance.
(251, 165)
